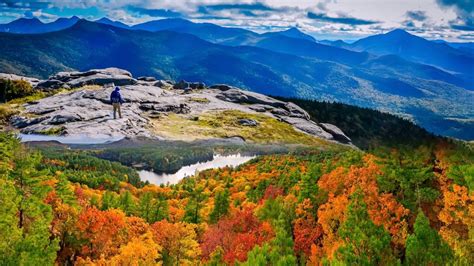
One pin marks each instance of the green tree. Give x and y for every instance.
(24, 217)
(425, 246)
(408, 175)
(191, 212)
(11, 89)
(109, 200)
(127, 204)
(279, 251)
(160, 210)
(221, 205)
(365, 243)
(145, 206)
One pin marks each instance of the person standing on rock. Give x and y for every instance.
(116, 100)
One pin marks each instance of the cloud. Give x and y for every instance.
(164, 13)
(25, 5)
(341, 20)
(465, 12)
(416, 15)
(462, 27)
(255, 9)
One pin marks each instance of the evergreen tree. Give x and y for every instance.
(221, 205)
(365, 243)
(126, 203)
(109, 200)
(24, 217)
(191, 212)
(279, 251)
(159, 211)
(145, 206)
(425, 246)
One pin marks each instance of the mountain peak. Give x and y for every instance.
(294, 32)
(34, 20)
(398, 32)
(293, 29)
(108, 21)
(104, 19)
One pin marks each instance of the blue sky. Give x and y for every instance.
(325, 19)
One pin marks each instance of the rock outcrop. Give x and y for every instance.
(88, 111)
(32, 81)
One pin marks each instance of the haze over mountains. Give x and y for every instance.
(431, 82)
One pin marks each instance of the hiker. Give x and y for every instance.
(116, 100)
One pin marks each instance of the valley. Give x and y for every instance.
(232, 147)
(433, 96)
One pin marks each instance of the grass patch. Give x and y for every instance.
(199, 100)
(6, 111)
(52, 131)
(225, 124)
(33, 97)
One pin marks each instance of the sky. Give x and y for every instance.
(324, 19)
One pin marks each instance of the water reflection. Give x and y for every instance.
(70, 139)
(217, 162)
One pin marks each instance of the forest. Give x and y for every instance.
(410, 205)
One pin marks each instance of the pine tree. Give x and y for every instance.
(145, 206)
(425, 246)
(126, 203)
(365, 243)
(23, 188)
(279, 251)
(221, 206)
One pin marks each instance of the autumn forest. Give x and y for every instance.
(387, 206)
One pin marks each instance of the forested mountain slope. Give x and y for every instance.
(403, 205)
(434, 99)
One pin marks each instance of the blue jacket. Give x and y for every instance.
(115, 96)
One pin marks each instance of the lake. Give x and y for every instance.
(70, 139)
(218, 161)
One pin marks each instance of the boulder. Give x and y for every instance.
(104, 76)
(296, 111)
(308, 127)
(336, 132)
(22, 122)
(222, 87)
(181, 108)
(149, 79)
(240, 96)
(279, 112)
(62, 119)
(247, 122)
(181, 85)
(102, 79)
(32, 81)
(51, 84)
(163, 84)
(197, 85)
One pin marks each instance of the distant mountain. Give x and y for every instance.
(293, 33)
(206, 31)
(302, 47)
(308, 70)
(114, 23)
(34, 25)
(417, 49)
(465, 47)
(336, 43)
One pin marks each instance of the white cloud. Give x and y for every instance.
(390, 13)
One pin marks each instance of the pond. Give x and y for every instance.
(70, 139)
(218, 161)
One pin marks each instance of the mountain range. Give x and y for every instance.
(429, 82)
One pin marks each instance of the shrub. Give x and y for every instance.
(12, 89)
